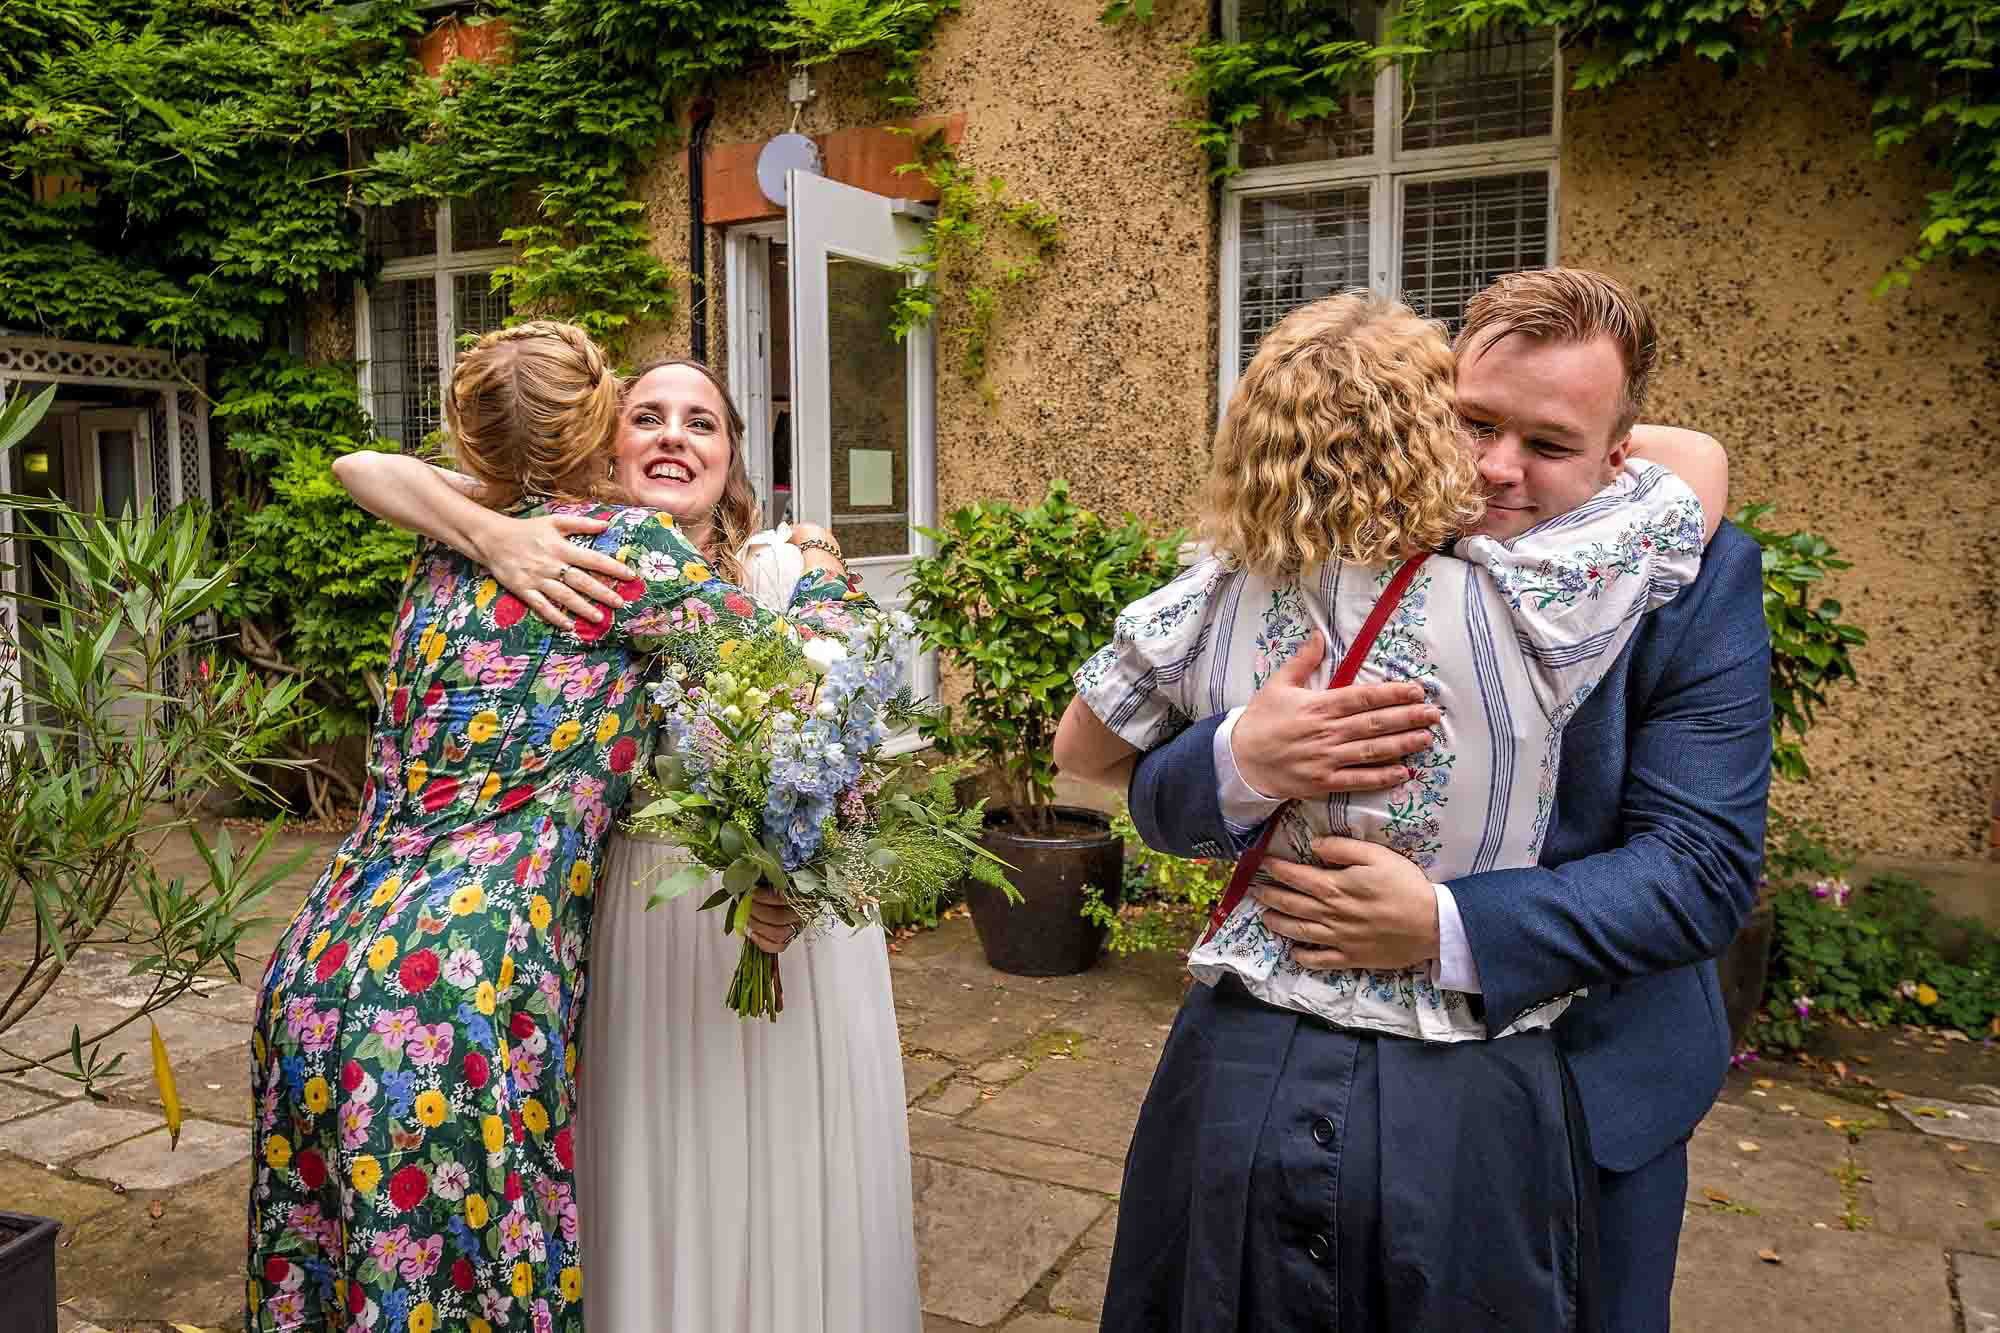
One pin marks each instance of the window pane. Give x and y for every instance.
(118, 469)
(1296, 248)
(476, 223)
(1502, 86)
(869, 411)
(403, 231)
(476, 307)
(1349, 131)
(1458, 236)
(403, 359)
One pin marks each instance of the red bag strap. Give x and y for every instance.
(1343, 676)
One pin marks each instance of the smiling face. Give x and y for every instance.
(674, 448)
(1542, 416)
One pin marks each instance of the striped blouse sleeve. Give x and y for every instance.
(1137, 684)
(1576, 585)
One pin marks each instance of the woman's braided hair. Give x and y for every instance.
(533, 410)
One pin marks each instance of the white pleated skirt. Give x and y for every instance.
(738, 1176)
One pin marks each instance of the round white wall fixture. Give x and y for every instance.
(785, 153)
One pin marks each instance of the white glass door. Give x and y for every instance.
(117, 454)
(863, 426)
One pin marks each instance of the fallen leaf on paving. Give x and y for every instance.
(1863, 1060)
(1840, 1069)
(1746, 1146)
(1716, 1196)
(1787, 1106)
(1835, 1122)
(156, 1210)
(1766, 1083)
(1893, 1096)
(1954, 1147)
(1756, 1093)
(1864, 1080)
(1927, 1112)
(1769, 1256)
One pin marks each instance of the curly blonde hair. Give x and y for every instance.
(737, 513)
(533, 411)
(1341, 442)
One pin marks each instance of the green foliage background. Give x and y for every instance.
(213, 160)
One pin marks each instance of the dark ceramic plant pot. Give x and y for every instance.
(27, 1273)
(1742, 970)
(1045, 934)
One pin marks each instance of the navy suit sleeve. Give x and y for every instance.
(1175, 800)
(1691, 816)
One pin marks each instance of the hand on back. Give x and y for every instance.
(1299, 741)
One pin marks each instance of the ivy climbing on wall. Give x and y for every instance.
(195, 173)
(1928, 65)
(982, 243)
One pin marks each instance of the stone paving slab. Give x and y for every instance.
(970, 1025)
(16, 1102)
(189, 1035)
(1916, 1187)
(1977, 1277)
(1047, 1323)
(1079, 1292)
(70, 1131)
(1090, 1104)
(939, 1136)
(215, 1086)
(123, 1266)
(46, 1193)
(1791, 1172)
(1952, 1120)
(1824, 1277)
(984, 1240)
(920, 1075)
(150, 1162)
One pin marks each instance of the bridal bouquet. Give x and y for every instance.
(776, 778)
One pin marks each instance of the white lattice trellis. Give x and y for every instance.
(179, 415)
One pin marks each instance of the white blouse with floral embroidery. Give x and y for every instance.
(1508, 639)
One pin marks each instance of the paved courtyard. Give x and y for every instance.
(1818, 1200)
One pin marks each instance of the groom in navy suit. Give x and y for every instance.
(1651, 864)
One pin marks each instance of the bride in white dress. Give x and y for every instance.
(739, 1176)
(734, 1176)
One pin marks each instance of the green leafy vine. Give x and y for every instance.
(960, 253)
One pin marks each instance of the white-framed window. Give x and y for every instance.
(435, 285)
(1428, 204)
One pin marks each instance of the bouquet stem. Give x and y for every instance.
(757, 991)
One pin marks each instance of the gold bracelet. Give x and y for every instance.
(822, 544)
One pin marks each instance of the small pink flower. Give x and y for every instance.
(430, 1046)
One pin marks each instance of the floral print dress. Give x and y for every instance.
(415, 1047)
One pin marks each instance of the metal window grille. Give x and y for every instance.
(403, 359)
(1500, 86)
(407, 230)
(476, 222)
(1459, 235)
(1296, 248)
(476, 307)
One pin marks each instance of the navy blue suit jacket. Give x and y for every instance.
(1649, 869)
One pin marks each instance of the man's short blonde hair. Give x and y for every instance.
(1341, 442)
(1570, 305)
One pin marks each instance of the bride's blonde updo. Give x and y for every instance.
(533, 410)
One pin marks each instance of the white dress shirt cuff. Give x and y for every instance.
(1243, 806)
(1455, 968)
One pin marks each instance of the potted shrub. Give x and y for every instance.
(1016, 599)
(1809, 655)
(115, 723)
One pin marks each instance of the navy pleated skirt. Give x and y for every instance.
(1288, 1175)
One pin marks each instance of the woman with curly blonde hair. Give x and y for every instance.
(1342, 482)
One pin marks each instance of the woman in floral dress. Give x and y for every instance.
(415, 1042)
(707, 1144)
